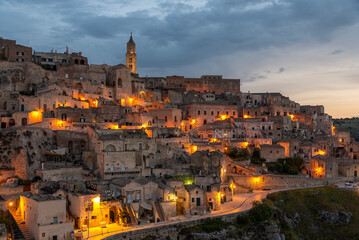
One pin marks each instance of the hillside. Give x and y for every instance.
(349, 125)
(318, 213)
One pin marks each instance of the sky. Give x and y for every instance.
(305, 49)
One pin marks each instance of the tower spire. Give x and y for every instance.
(131, 39)
(131, 58)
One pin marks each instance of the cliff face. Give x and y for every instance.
(22, 76)
(317, 213)
(22, 149)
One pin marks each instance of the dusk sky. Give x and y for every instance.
(305, 49)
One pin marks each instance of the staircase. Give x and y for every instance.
(16, 216)
(158, 210)
(131, 212)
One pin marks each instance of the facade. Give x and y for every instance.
(207, 83)
(272, 153)
(323, 167)
(45, 217)
(13, 52)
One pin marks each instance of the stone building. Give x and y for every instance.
(207, 83)
(119, 153)
(271, 153)
(323, 167)
(200, 114)
(45, 216)
(13, 52)
(131, 57)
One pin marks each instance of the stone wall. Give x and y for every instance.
(168, 231)
(6, 173)
(11, 190)
(284, 181)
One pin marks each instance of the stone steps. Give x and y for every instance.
(24, 230)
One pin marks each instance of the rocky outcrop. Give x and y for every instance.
(265, 231)
(208, 236)
(336, 218)
(22, 149)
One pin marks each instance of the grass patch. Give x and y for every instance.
(310, 202)
(209, 226)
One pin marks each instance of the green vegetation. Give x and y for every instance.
(187, 179)
(237, 154)
(256, 157)
(288, 166)
(209, 226)
(242, 154)
(295, 213)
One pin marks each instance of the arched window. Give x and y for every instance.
(119, 82)
(78, 86)
(76, 61)
(110, 148)
(12, 122)
(82, 62)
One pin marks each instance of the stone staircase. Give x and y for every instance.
(22, 227)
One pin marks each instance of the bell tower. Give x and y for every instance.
(131, 58)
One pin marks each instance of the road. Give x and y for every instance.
(240, 203)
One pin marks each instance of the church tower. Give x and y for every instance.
(131, 58)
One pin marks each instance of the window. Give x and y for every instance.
(137, 196)
(227, 113)
(43, 234)
(54, 237)
(129, 198)
(54, 220)
(93, 217)
(66, 75)
(130, 59)
(140, 146)
(212, 112)
(234, 113)
(43, 59)
(192, 199)
(165, 118)
(204, 112)
(51, 60)
(199, 112)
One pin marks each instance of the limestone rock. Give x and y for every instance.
(336, 218)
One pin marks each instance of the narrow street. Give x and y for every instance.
(241, 202)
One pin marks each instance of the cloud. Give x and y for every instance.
(337, 51)
(176, 33)
(255, 77)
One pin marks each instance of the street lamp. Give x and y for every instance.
(232, 186)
